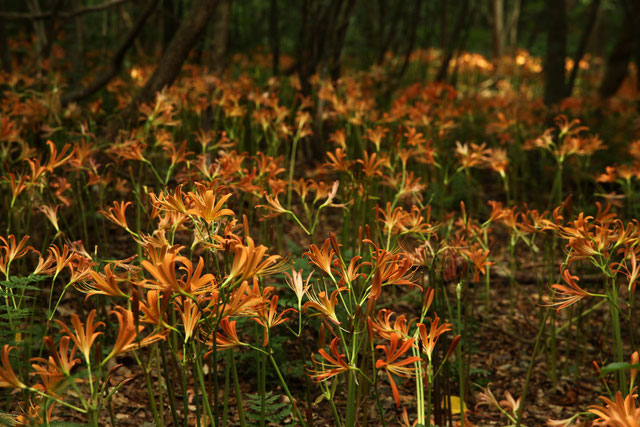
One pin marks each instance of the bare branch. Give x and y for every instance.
(70, 14)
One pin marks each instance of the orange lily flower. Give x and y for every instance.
(337, 363)
(569, 294)
(12, 250)
(326, 306)
(116, 214)
(395, 366)
(268, 317)
(205, 205)
(85, 335)
(248, 262)
(623, 412)
(102, 284)
(230, 337)
(127, 333)
(321, 257)
(429, 339)
(190, 314)
(8, 377)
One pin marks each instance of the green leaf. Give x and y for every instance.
(618, 366)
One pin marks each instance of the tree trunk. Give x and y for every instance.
(497, 33)
(512, 25)
(170, 22)
(116, 62)
(453, 42)
(341, 35)
(618, 61)
(170, 63)
(220, 39)
(5, 56)
(582, 45)
(554, 66)
(274, 35)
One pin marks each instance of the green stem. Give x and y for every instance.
(287, 392)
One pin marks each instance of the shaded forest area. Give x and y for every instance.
(319, 212)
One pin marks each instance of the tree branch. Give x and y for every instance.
(70, 14)
(116, 62)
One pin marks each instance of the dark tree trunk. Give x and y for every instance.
(582, 45)
(220, 39)
(391, 33)
(170, 63)
(170, 21)
(617, 63)
(554, 66)
(274, 35)
(415, 18)
(632, 8)
(341, 35)
(116, 62)
(5, 57)
(454, 40)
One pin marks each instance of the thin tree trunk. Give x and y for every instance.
(220, 39)
(618, 61)
(5, 56)
(497, 34)
(341, 35)
(554, 66)
(453, 41)
(274, 35)
(512, 25)
(116, 62)
(582, 45)
(415, 18)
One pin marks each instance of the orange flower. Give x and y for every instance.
(60, 358)
(170, 202)
(85, 335)
(268, 316)
(127, 333)
(102, 284)
(478, 257)
(8, 377)
(190, 314)
(428, 339)
(116, 214)
(395, 366)
(274, 206)
(322, 258)
(12, 250)
(230, 337)
(624, 412)
(569, 294)
(62, 258)
(326, 306)
(153, 310)
(51, 212)
(372, 165)
(163, 271)
(385, 330)
(205, 205)
(248, 262)
(56, 160)
(243, 300)
(337, 363)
